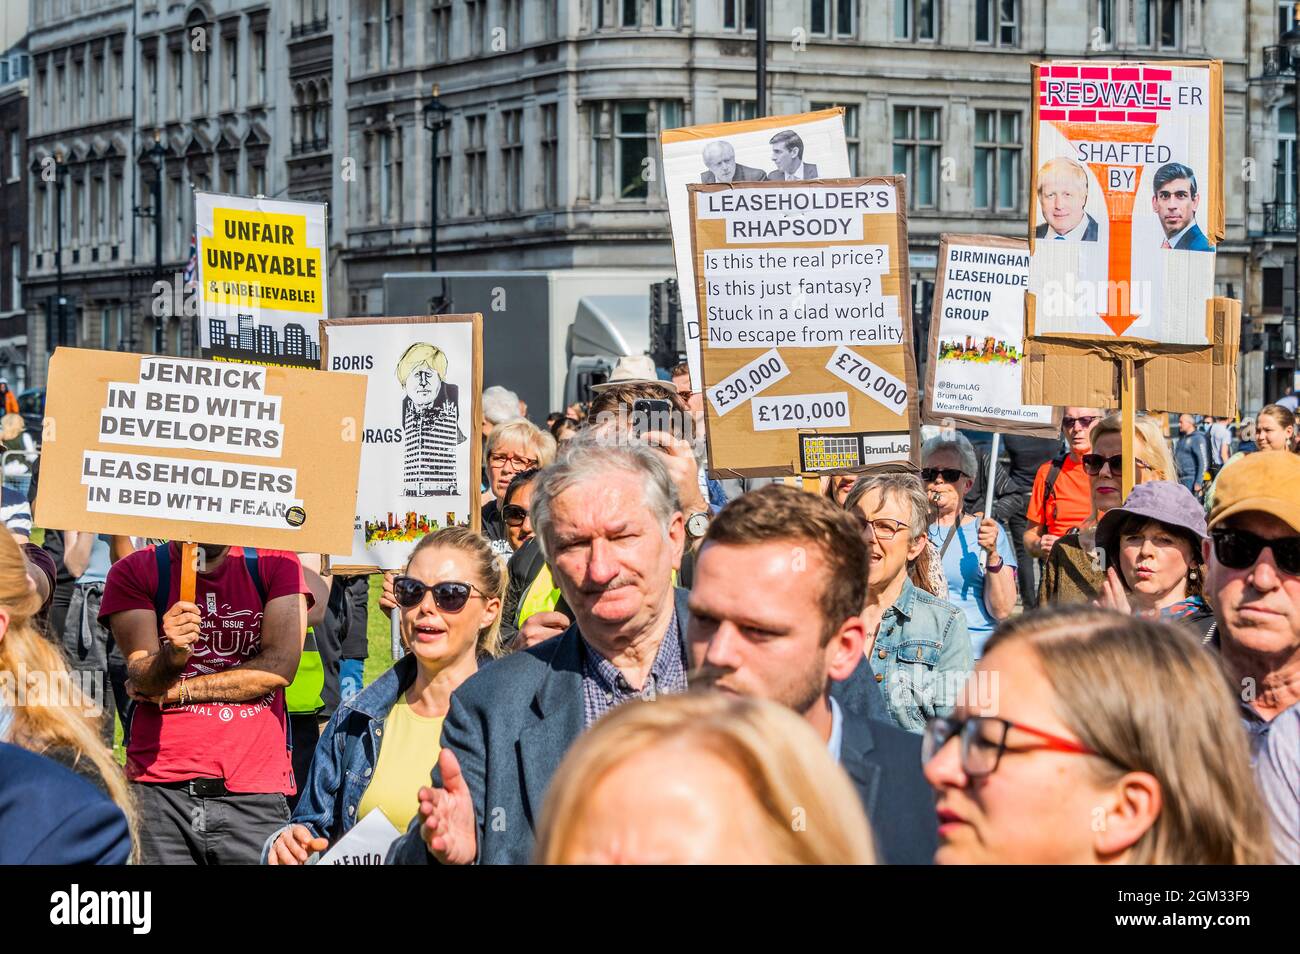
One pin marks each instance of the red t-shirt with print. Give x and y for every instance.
(244, 743)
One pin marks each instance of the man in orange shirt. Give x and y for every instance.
(1069, 501)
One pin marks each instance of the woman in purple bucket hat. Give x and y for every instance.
(1154, 563)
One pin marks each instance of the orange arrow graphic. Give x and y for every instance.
(1116, 313)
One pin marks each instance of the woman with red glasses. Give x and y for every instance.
(1086, 737)
(380, 746)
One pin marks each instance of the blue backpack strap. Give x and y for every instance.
(250, 562)
(163, 555)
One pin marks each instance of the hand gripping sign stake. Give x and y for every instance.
(189, 569)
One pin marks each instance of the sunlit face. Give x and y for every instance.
(947, 497)
(422, 384)
(437, 637)
(769, 648)
(1038, 807)
(518, 536)
(611, 559)
(841, 484)
(508, 458)
(1107, 487)
(1155, 560)
(1176, 205)
(1259, 606)
(1061, 196)
(670, 804)
(1270, 435)
(1076, 425)
(889, 558)
(721, 160)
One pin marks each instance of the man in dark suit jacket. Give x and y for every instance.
(609, 519)
(49, 816)
(763, 627)
(787, 156)
(720, 157)
(1175, 199)
(1089, 232)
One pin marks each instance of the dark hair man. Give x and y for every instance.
(1175, 200)
(787, 156)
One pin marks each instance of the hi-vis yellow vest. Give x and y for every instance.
(304, 693)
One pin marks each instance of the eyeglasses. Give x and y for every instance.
(984, 739)
(517, 463)
(450, 597)
(1092, 464)
(884, 528)
(514, 515)
(1238, 550)
(950, 474)
(1068, 423)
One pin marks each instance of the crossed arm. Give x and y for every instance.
(154, 664)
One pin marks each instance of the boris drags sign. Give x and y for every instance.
(262, 279)
(1128, 199)
(807, 361)
(198, 450)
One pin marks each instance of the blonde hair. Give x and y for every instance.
(1059, 165)
(784, 764)
(58, 718)
(528, 435)
(1146, 697)
(492, 575)
(421, 353)
(1153, 449)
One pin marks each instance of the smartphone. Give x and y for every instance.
(651, 414)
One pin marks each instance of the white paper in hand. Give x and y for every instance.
(366, 844)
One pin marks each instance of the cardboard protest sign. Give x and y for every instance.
(977, 346)
(366, 843)
(200, 451)
(1127, 189)
(776, 149)
(263, 287)
(806, 352)
(1198, 380)
(420, 443)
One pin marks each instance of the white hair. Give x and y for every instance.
(500, 404)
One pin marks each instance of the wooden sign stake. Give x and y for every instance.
(1127, 410)
(189, 567)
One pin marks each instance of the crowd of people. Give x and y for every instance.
(631, 661)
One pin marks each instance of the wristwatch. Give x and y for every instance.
(697, 525)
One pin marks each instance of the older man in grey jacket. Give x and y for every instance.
(609, 522)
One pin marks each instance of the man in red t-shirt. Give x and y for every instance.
(1070, 501)
(208, 754)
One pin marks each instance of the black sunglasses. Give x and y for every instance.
(1238, 550)
(514, 515)
(450, 597)
(950, 474)
(1069, 422)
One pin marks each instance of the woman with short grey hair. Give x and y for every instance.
(978, 560)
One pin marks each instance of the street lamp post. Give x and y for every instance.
(1291, 40)
(760, 55)
(435, 115)
(60, 170)
(159, 154)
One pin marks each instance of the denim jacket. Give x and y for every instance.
(921, 659)
(346, 757)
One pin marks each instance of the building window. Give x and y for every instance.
(1285, 16)
(15, 276)
(1273, 289)
(1171, 24)
(512, 158)
(997, 160)
(151, 89)
(115, 206)
(202, 76)
(15, 155)
(851, 138)
(633, 141)
(997, 22)
(1284, 168)
(230, 53)
(474, 19)
(257, 179)
(550, 21)
(550, 156)
(735, 110)
(177, 89)
(831, 17)
(440, 30)
(739, 15)
(476, 164)
(916, 153)
(916, 19)
(392, 53)
(259, 66)
(666, 13)
(390, 175)
(1106, 21)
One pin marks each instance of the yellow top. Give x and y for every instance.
(407, 753)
